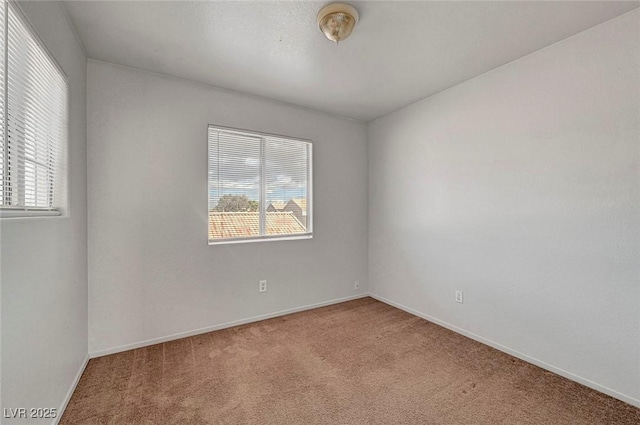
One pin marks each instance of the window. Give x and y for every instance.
(259, 186)
(33, 125)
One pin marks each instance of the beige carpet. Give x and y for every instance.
(359, 362)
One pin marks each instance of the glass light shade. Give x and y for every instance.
(337, 20)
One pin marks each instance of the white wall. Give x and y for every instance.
(151, 272)
(44, 260)
(521, 187)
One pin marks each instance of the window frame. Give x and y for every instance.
(263, 206)
(60, 209)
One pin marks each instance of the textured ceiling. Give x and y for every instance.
(400, 52)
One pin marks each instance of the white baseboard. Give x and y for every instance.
(521, 356)
(225, 325)
(497, 346)
(67, 397)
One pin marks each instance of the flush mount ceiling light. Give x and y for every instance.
(337, 20)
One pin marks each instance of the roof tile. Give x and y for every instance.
(225, 225)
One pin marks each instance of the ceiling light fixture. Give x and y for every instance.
(337, 20)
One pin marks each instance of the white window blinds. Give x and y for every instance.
(259, 186)
(34, 120)
(3, 116)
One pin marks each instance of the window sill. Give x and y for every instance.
(261, 239)
(17, 213)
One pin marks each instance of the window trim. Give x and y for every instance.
(13, 211)
(264, 238)
(17, 212)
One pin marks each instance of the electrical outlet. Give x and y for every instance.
(356, 285)
(262, 286)
(459, 297)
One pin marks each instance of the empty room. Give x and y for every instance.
(306, 212)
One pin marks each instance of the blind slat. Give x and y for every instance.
(4, 189)
(34, 119)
